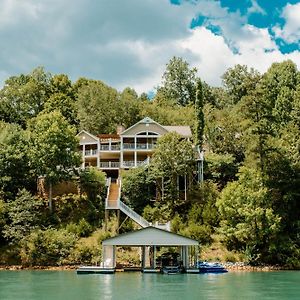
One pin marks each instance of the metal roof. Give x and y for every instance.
(184, 131)
(150, 236)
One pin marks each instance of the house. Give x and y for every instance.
(128, 148)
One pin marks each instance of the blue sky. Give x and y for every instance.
(128, 43)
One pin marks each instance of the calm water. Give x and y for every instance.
(65, 285)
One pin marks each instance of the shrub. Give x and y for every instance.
(82, 229)
(48, 247)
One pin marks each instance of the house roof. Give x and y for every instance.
(184, 131)
(87, 133)
(150, 236)
(146, 120)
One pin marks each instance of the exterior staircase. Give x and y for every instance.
(113, 202)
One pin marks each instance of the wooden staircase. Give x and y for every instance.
(113, 195)
(113, 202)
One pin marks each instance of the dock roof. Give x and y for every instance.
(150, 236)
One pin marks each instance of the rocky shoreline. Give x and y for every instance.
(229, 266)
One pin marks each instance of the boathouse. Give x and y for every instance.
(149, 239)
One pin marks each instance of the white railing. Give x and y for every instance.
(133, 215)
(138, 146)
(112, 147)
(90, 152)
(109, 164)
(108, 183)
(128, 146)
(128, 164)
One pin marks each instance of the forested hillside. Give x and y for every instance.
(249, 130)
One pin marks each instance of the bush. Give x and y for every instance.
(48, 247)
(82, 229)
(201, 233)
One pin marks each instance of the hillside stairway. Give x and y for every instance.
(113, 202)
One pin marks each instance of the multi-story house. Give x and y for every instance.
(128, 148)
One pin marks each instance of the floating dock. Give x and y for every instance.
(94, 270)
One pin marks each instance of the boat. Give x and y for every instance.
(171, 270)
(206, 267)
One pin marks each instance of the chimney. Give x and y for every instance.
(120, 129)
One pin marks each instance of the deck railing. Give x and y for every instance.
(90, 152)
(109, 164)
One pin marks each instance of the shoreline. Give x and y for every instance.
(229, 266)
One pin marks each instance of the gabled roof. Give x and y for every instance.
(150, 236)
(89, 134)
(146, 120)
(184, 131)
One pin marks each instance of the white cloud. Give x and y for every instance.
(214, 57)
(256, 8)
(290, 31)
(128, 44)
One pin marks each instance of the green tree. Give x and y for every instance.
(24, 96)
(179, 81)
(173, 157)
(98, 108)
(92, 181)
(248, 221)
(137, 188)
(239, 81)
(129, 108)
(199, 128)
(15, 172)
(54, 148)
(24, 215)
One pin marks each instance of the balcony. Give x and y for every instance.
(138, 146)
(109, 164)
(113, 147)
(91, 152)
(131, 164)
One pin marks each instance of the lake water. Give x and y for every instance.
(65, 285)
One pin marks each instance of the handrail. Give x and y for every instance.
(108, 183)
(133, 215)
(129, 211)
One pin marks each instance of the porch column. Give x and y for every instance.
(83, 156)
(98, 154)
(135, 153)
(121, 153)
(143, 256)
(154, 257)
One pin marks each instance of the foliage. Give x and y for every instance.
(54, 146)
(82, 229)
(137, 188)
(72, 208)
(24, 96)
(14, 160)
(220, 168)
(98, 108)
(24, 215)
(47, 247)
(239, 81)
(92, 182)
(248, 220)
(179, 81)
(199, 127)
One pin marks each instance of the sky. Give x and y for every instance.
(129, 42)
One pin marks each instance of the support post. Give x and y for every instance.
(106, 219)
